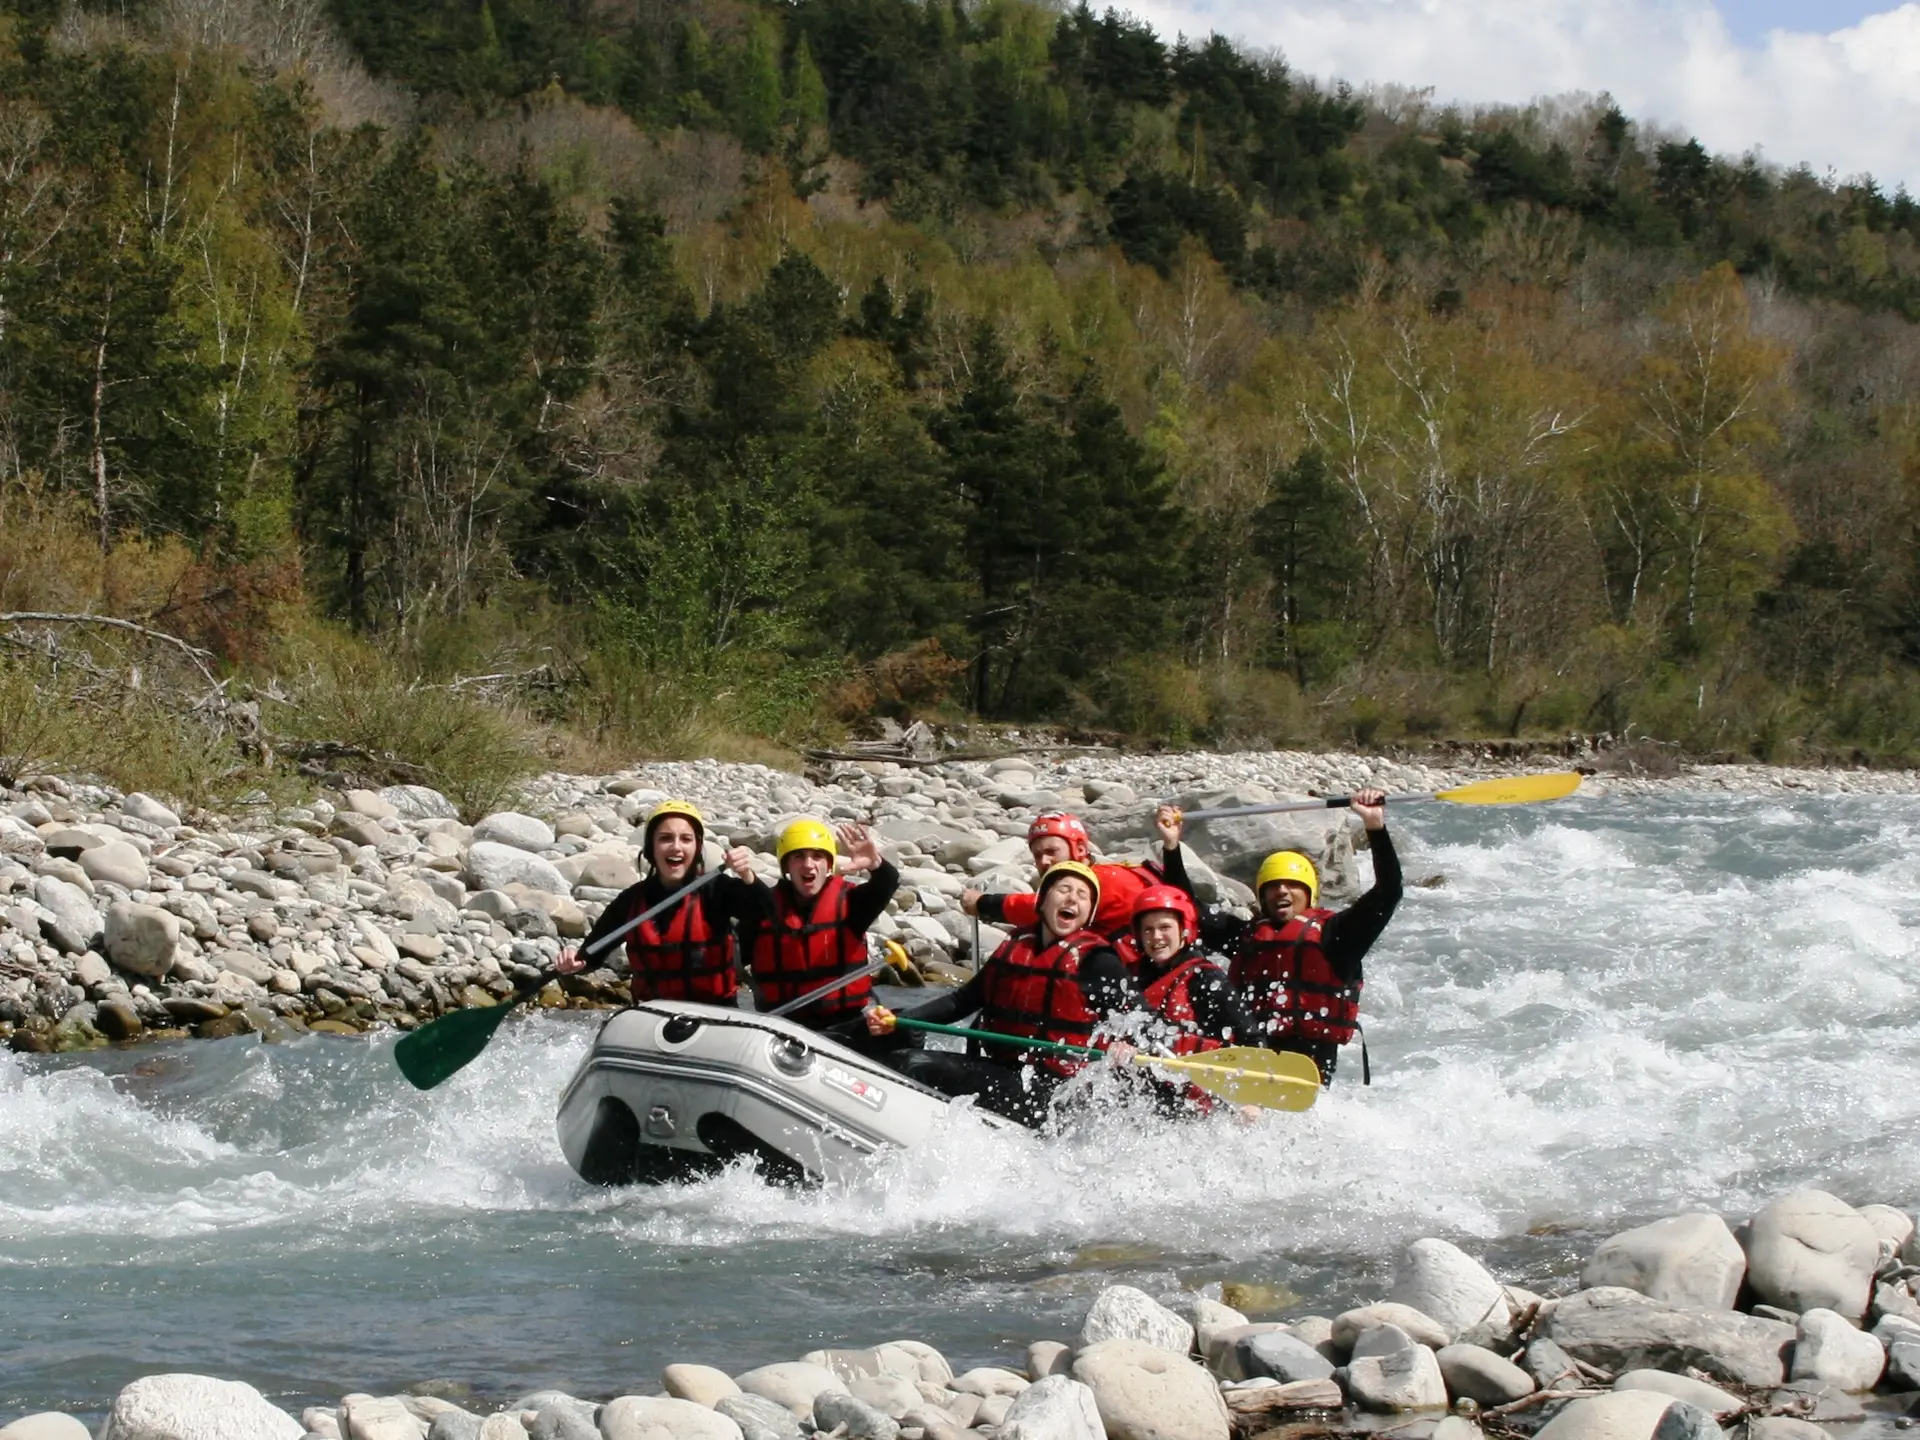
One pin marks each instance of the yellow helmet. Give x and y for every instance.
(1289, 865)
(1072, 867)
(685, 809)
(805, 833)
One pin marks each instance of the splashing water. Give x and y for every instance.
(1609, 1010)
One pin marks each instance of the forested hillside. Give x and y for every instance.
(703, 367)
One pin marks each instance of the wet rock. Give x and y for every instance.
(47, 1425)
(759, 1418)
(1830, 1350)
(853, 1417)
(116, 863)
(1817, 1401)
(1810, 1250)
(1482, 1376)
(793, 1384)
(702, 1384)
(892, 1395)
(493, 866)
(1697, 1393)
(70, 923)
(634, 1417)
(509, 827)
(1347, 1327)
(455, 1424)
(1280, 1356)
(195, 1407)
(502, 1427)
(1056, 1408)
(76, 1031)
(1121, 1312)
(1403, 1379)
(1903, 1364)
(1619, 1329)
(1687, 1260)
(1144, 1391)
(118, 1020)
(1621, 1415)
(141, 939)
(567, 1419)
(1446, 1283)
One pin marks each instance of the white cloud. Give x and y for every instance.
(1847, 100)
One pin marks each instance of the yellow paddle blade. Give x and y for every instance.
(1248, 1075)
(1519, 790)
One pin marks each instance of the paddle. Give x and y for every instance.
(1516, 790)
(1242, 1074)
(436, 1052)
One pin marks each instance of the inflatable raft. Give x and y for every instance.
(673, 1090)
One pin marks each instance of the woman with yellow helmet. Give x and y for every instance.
(1030, 987)
(1297, 965)
(687, 951)
(816, 928)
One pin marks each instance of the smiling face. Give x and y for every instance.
(676, 846)
(808, 871)
(1281, 900)
(1160, 935)
(1067, 906)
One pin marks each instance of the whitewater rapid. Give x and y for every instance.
(1596, 1012)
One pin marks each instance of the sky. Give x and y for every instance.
(1834, 84)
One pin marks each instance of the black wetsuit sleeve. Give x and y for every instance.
(1218, 1010)
(1346, 937)
(955, 1005)
(622, 908)
(747, 901)
(1106, 985)
(991, 909)
(1173, 870)
(866, 902)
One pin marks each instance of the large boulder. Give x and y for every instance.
(702, 1384)
(195, 1407)
(47, 1425)
(509, 827)
(1443, 1281)
(142, 939)
(1236, 846)
(1121, 1312)
(1406, 1378)
(494, 866)
(842, 1413)
(635, 1417)
(759, 1418)
(1279, 1356)
(1687, 1260)
(1810, 1250)
(115, 863)
(1831, 1350)
(1145, 1392)
(380, 1417)
(71, 923)
(793, 1383)
(417, 802)
(1619, 1329)
(1619, 1415)
(1477, 1374)
(1055, 1408)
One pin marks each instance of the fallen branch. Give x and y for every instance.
(202, 659)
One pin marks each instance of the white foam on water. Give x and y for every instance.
(1602, 1015)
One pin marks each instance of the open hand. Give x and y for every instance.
(859, 846)
(571, 961)
(1121, 1053)
(970, 901)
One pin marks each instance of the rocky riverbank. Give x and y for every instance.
(1802, 1316)
(123, 918)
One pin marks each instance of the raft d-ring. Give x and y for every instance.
(680, 1029)
(789, 1056)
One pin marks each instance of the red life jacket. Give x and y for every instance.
(1169, 1000)
(1287, 979)
(1033, 990)
(678, 956)
(796, 952)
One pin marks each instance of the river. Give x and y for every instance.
(1598, 1012)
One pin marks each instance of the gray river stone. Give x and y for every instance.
(455, 1425)
(1482, 1376)
(71, 923)
(563, 1421)
(1619, 1329)
(635, 1417)
(1350, 1324)
(47, 1425)
(141, 939)
(853, 1417)
(1618, 1415)
(1280, 1356)
(1689, 1260)
(493, 866)
(1056, 1408)
(1831, 1350)
(793, 1383)
(1403, 1379)
(1808, 1250)
(116, 863)
(1441, 1280)
(1121, 1312)
(509, 827)
(1697, 1393)
(759, 1418)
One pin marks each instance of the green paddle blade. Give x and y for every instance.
(437, 1051)
(1248, 1075)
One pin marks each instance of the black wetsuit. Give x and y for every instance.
(725, 901)
(1345, 939)
(1119, 994)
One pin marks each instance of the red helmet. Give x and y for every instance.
(1167, 897)
(1062, 826)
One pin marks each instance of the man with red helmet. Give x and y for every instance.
(1055, 836)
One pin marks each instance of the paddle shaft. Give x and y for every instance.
(1330, 802)
(605, 942)
(1049, 1047)
(872, 967)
